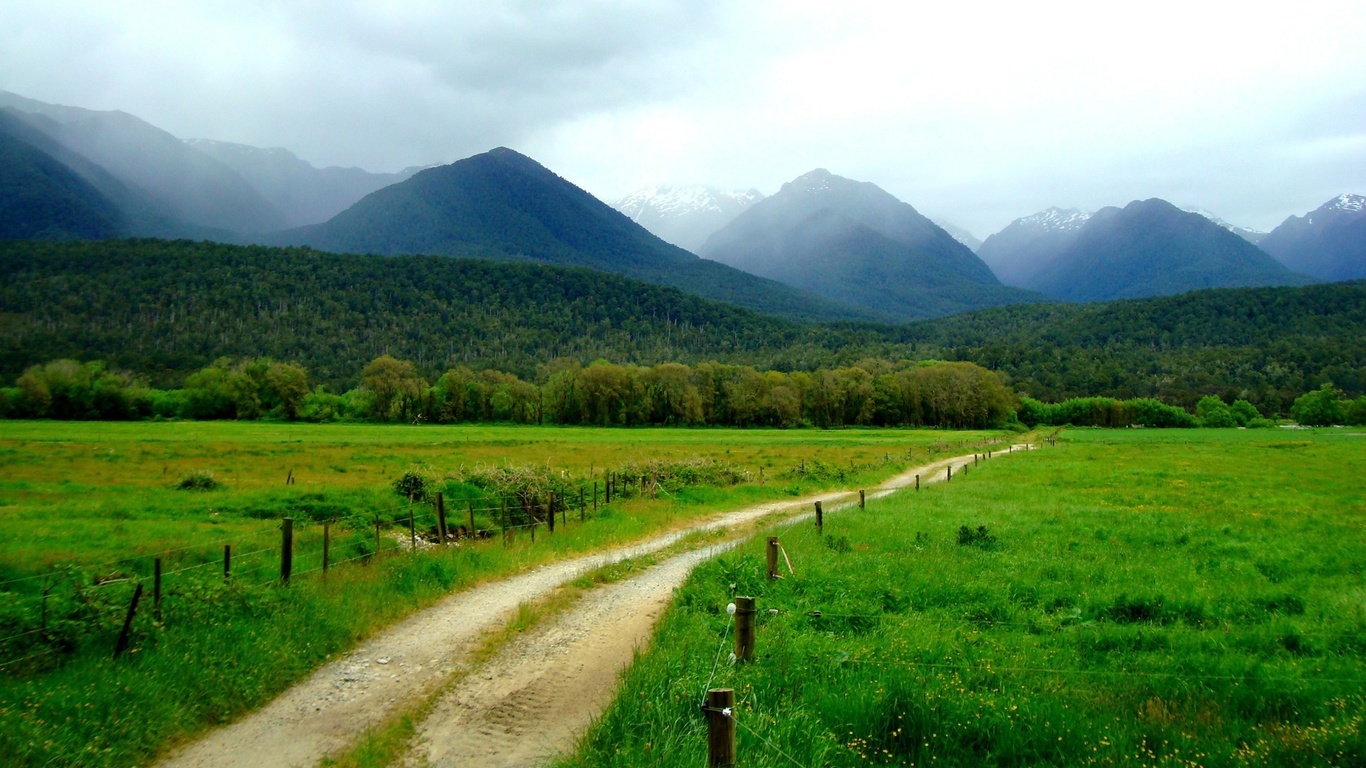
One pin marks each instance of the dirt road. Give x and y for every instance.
(480, 721)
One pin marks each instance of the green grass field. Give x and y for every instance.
(85, 507)
(1130, 597)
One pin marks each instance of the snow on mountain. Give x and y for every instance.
(1056, 220)
(685, 215)
(1250, 235)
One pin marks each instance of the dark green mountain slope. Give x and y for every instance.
(1328, 243)
(504, 205)
(41, 199)
(852, 242)
(1153, 248)
(164, 309)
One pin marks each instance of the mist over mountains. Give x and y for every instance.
(823, 248)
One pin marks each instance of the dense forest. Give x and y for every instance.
(162, 310)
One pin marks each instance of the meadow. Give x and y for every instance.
(1128, 597)
(86, 507)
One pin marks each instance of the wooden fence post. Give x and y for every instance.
(974, 459)
(376, 537)
(227, 562)
(412, 532)
(327, 545)
(917, 482)
(550, 517)
(503, 520)
(948, 472)
(286, 548)
(862, 502)
(122, 644)
(441, 517)
(156, 589)
(744, 629)
(595, 495)
(583, 508)
(772, 558)
(470, 504)
(820, 518)
(720, 728)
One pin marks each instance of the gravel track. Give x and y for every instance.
(521, 707)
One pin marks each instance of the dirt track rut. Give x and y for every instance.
(520, 708)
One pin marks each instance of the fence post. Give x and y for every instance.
(974, 459)
(376, 537)
(156, 589)
(122, 644)
(772, 558)
(227, 562)
(550, 516)
(948, 472)
(470, 504)
(862, 502)
(595, 495)
(503, 520)
(441, 517)
(607, 489)
(412, 532)
(583, 508)
(820, 518)
(744, 629)
(720, 728)
(286, 548)
(327, 545)
(917, 482)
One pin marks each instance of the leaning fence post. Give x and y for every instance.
(820, 518)
(720, 727)
(122, 644)
(286, 548)
(744, 629)
(772, 557)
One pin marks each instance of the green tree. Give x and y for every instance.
(1319, 408)
(395, 387)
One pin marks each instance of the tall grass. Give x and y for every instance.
(1127, 598)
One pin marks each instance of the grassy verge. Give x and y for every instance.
(218, 649)
(1127, 598)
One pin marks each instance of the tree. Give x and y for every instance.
(1319, 408)
(1212, 412)
(395, 386)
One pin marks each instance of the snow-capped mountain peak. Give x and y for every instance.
(1056, 220)
(1250, 235)
(685, 215)
(1347, 202)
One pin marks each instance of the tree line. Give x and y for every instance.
(940, 394)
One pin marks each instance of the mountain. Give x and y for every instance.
(504, 205)
(1153, 248)
(1328, 243)
(961, 235)
(1019, 251)
(42, 199)
(1253, 236)
(193, 187)
(852, 242)
(685, 215)
(303, 194)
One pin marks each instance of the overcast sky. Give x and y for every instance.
(977, 113)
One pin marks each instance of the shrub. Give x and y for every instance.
(1212, 412)
(198, 480)
(980, 538)
(1319, 408)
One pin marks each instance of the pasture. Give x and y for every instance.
(1129, 597)
(86, 508)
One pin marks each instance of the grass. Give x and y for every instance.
(1130, 597)
(95, 501)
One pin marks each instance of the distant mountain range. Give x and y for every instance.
(1328, 242)
(162, 186)
(822, 248)
(852, 242)
(1148, 248)
(504, 205)
(685, 215)
(961, 235)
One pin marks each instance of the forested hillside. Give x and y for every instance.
(164, 309)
